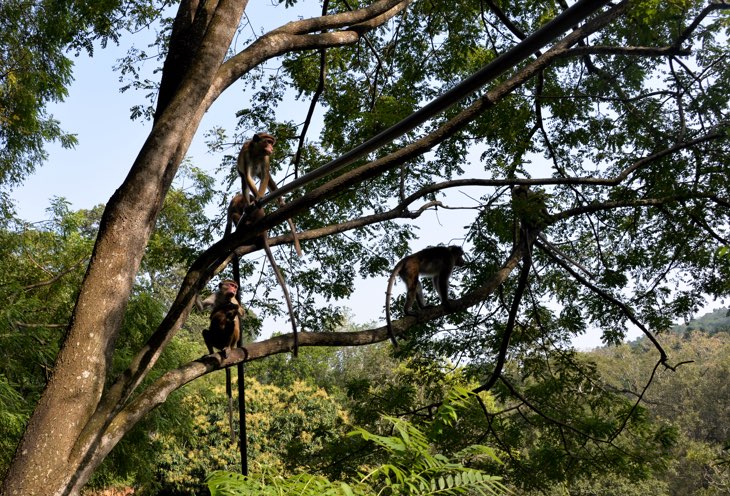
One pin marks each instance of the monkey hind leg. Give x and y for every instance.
(208, 338)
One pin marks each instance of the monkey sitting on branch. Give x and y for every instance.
(254, 162)
(435, 262)
(224, 330)
(530, 209)
(235, 213)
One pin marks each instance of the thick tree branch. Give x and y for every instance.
(512, 319)
(298, 36)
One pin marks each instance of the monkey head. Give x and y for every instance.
(457, 252)
(264, 142)
(228, 288)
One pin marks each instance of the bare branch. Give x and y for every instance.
(636, 51)
(553, 420)
(55, 278)
(505, 20)
(712, 6)
(645, 202)
(610, 298)
(315, 99)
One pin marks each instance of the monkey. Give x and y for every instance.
(531, 213)
(253, 161)
(235, 212)
(224, 329)
(436, 262)
(236, 209)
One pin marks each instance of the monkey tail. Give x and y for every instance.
(282, 283)
(294, 236)
(229, 393)
(389, 325)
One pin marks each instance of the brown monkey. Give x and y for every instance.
(224, 329)
(530, 207)
(253, 162)
(436, 262)
(236, 209)
(235, 212)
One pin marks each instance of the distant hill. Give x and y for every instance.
(711, 323)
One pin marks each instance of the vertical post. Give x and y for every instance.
(242, 416)
(242, 443)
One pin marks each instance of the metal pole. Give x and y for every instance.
(242, 441)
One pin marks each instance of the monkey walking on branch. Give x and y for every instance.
(224, 329)
(254, 162)
(235, 212)
(436, 262)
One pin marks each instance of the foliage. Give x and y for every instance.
(693, 399)
(287, 430)
(412, 468)
(622, 122)
(35, 69)
(40, 269)
(712, 322)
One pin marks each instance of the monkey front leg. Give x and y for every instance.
(267, 184)
(252, 187)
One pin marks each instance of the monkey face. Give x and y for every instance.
(458, 255)
(228, 288)
(265, 143)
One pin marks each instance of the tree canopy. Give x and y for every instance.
(588, 144)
